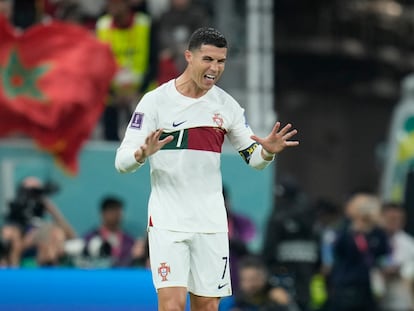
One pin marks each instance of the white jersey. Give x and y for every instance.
(186, 183)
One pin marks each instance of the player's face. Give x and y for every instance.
(206, 65)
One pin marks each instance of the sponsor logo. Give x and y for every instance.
(136, 121)
(163, 271)
(218, 119)
(220, 286)
(178, 123)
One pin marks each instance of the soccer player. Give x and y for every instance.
(180, 128)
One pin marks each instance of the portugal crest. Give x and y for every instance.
(163, 271)
(218, 119)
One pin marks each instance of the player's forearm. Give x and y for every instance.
(260, 159)
(126, 161)
(256, 157)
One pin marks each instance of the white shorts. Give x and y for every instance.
(197, 261)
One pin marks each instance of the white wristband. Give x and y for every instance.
(267, 153)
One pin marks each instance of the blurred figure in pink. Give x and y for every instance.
(242, 230)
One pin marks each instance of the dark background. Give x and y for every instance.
(338, 69)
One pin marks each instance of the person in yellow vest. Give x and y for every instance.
(131, 37)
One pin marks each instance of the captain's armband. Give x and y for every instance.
(246, 154)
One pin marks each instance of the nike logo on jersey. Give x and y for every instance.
(178, 123)
(220, 286)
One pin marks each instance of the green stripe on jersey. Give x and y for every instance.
(180, 140)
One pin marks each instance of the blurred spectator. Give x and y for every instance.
(328, 221)
(84, 12)
(255, 291)
(109, 240)
(49, 242)
(6, 8)
(241, 231)
(398, 295)
(91, 10)
(291, 245)
(139, 6)
(157, 7)
(27, 213)
(175, 27)
(69, 11)
(140, 253)
(132, 39)
(360, 249)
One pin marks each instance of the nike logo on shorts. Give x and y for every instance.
(178, 124)
(220, 286)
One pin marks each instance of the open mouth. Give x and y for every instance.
(210, 77)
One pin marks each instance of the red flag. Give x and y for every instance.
(54, 80)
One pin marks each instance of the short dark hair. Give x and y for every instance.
(392, 206)
(111, 203)
(252, 261)
(206, 35)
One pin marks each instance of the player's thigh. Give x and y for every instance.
(169, 257)
(209, 262)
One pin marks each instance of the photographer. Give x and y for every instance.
(26, 216)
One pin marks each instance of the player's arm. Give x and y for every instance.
(239, 135)
(152, 144)
(259, 152)
(142, 137)
(135, 149)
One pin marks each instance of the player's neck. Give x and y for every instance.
(186, 86)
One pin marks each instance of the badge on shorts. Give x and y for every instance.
(163, 271)
(136, 121)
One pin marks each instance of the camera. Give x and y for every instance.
(28, 204)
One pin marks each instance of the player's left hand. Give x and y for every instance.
(278, 139)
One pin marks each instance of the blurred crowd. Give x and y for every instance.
(147, 39)
(352, 255)
(318, 255)
(35, 233)
(341, 256)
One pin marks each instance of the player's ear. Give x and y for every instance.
(188, 56)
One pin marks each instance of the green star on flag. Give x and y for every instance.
(19, 80)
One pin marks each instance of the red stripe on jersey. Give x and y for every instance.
(206, 138)
(150, 222)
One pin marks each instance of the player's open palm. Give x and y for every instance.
(153, 143)
(278, 139)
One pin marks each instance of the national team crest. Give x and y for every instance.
(163, 271)
(218, 119)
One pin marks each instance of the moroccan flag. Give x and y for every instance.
(54, 80)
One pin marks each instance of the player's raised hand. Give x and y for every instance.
(278, 139)
(152, 145)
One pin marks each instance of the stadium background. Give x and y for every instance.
(336, 72)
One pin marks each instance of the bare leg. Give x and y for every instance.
(172, 298)
(199, 303)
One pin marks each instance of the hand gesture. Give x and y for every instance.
(152, 145)
(278, 139)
